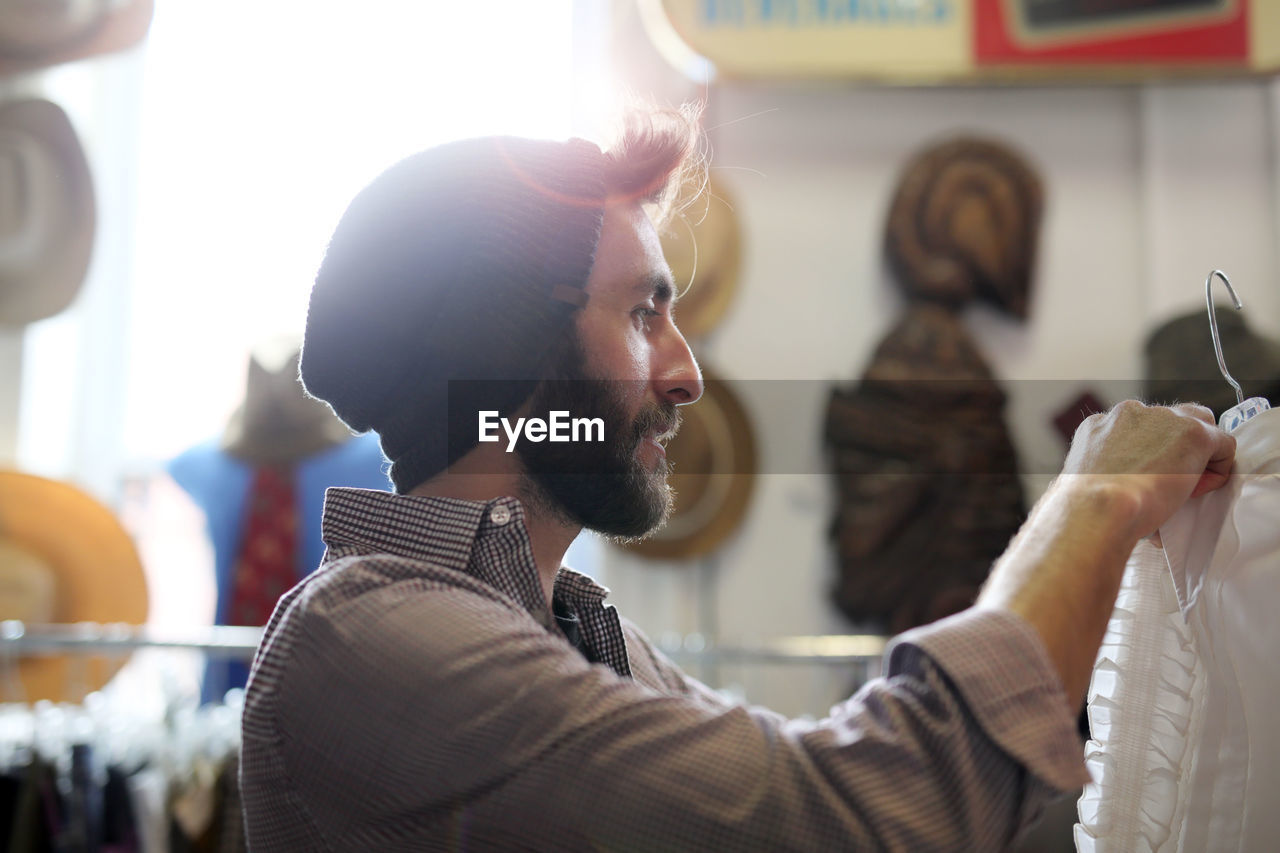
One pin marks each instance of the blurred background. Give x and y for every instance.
(1075, 170)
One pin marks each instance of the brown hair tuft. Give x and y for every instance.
(659, 157)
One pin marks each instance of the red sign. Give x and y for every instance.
(1122, 32)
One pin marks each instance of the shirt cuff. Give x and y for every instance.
(1000, 667)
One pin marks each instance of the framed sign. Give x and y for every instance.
(929, 41)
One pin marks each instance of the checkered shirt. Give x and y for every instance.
(416, 694)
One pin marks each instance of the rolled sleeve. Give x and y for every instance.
(1002, 671)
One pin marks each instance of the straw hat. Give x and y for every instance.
(47, 214)
(277, 423)
(714, 456)
(64, 558)
(39, 34)
(704, 251)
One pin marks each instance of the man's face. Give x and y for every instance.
(628, 365)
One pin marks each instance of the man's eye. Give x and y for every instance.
(645, 314)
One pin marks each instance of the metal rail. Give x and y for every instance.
(90, 637)
(234, 641)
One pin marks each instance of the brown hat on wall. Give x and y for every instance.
(1182, 366)
(47, 212)
(964, 223)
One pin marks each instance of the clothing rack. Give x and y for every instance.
(834, 649)
(242, 642)
(151, 771)
(92, 637)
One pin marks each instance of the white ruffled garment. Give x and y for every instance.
(1185, 749)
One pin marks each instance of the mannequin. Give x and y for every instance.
(280, 445)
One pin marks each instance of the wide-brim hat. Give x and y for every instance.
(704, 250)
(277, 423)
(65, 558)
(47, 212)
(964, 224)
(714, 459)
(1181, 365)
(40, 34)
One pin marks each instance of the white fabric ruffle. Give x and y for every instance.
(1185, 755)
(1141, 708)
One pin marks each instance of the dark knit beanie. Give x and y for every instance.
(447, 283)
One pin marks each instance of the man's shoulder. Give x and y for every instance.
(361, 588)
(358, 575)
(375, 618)
(351, 598)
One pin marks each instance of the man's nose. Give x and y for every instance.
(677, 375)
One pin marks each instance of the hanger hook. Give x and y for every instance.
(1213, 326)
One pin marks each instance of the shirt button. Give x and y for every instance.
(500, 515)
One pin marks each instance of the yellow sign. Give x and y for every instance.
(805, 38)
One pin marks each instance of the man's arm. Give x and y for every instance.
(1127, 472)
(418, 713)
(413, 715)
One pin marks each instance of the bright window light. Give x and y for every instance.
(260, 121)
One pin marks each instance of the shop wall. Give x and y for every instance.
(1148, 187)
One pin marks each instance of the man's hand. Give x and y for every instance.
(1127, 472)
(1158, 456)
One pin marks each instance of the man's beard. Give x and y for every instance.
(600, 485)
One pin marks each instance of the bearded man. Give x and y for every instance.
(444, 683)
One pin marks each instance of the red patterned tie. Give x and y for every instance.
(266, 567)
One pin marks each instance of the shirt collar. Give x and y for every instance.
(579, 588)
(485, 539)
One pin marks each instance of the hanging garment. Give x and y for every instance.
(119, 824)
(147, 797)
(1185, 754)
(82, 825)
(36, 818)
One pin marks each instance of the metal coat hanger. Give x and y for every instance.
(1244, 409)
(1213, 326)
